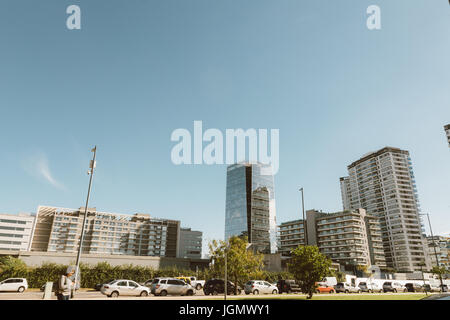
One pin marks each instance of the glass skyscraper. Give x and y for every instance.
(250, 205)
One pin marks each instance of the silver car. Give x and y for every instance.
(172, 286)
(260, 286)
(124, 288)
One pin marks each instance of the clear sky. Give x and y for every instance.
(137, 70)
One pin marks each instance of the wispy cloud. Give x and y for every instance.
(37, 166)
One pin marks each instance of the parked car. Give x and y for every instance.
(392, 286)
(124, 288)
(14, 284)
(346, 288)
(370, 287)
(431, 288)
(414, 287)
(287, 286)
(197, 284)
(259, 286)
(216, 286)
(98, 286)
(172, 286)
(324, 288)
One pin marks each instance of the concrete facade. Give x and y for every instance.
(190, 244)
(290, 236)
(59, 230)
(16, 231)
(383, 183)
(35, 259)
(348, 237)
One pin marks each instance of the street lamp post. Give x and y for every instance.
(434, 247)
(304, 220)
(80, 246)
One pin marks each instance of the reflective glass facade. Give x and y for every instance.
(250, 205)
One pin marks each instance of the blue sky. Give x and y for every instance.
(137, 70)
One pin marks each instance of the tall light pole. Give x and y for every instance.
(80, 246)
(434, 247)
(304, 220)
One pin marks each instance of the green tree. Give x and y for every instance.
(11, 267)
(308, 266)
(439, 271)
(242, 264)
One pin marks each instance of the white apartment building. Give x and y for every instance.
(383, 183)
(347, 237)
(16, 231)
(59, 230)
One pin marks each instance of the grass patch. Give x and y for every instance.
(398, 296)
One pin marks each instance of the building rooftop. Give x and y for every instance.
(376, 154)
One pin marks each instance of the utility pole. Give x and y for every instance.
(304, 220)
(80, 246)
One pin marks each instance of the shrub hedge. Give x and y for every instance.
(102, 272)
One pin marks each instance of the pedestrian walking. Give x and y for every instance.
(65, 285)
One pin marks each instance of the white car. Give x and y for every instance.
(14, 284)
(393, 286)
(124, 288)
(346, 288)
(259, 286)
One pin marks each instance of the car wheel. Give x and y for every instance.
(190, 293)
(163, 293)
(144, 294)
(21, 289)
(332, 291)
(346, 291)
(247, 293)
(215, 293)
(255, 292)
(395, 290)
(359, 291)
(114, 294)
(274, 291)
(198, 286)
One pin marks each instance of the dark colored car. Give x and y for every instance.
(216, 286)
(287, 286)
(413, 287)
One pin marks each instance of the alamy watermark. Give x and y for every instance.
(190, 149)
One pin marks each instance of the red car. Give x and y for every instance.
(323, 288)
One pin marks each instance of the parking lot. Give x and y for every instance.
(96, 295)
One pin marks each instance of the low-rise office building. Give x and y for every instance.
(442, 246)
(16, 231)
(190, 244)
(59, 230)
(291, 234)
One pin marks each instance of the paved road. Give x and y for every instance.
(96, 295)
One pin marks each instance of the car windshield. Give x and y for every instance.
(111, 282)
(155, 281)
